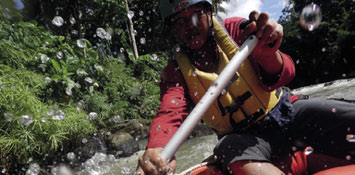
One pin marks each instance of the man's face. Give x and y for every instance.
(190, 26)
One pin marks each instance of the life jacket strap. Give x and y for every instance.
(244, 124)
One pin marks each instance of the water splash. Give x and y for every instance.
(34, 169)
(100, 163)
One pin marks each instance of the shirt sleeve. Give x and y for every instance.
(269, 83)
(173, 107)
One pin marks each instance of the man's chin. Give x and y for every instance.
(195, 44)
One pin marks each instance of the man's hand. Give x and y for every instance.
(270, 35)
(268, 31)
(151, 163)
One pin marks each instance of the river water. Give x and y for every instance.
(195, 150)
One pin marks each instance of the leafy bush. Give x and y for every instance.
(56, 90)
(29, 127)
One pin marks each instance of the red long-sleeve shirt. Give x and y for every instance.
(174, 95)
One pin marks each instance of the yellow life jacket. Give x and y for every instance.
(243, 101)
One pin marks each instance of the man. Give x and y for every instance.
(254, 117)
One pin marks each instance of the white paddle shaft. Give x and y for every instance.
(208, 98)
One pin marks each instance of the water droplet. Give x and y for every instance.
(26, 120)
(334, 110)
(9, 116)
(350, 138)
(70, 156)
(158, 128)
(60, 55)
(194, 19)
(80, 105)
(195, 94)
(194, 74)
(100, 32)
(46, 44)
(147, 160)
(308, 150)
(130, 14)
(92, 115)
(311, 17)
(44, 58)
(74, 32)
(47, 80)
(84, 140)
(72, 20)
(324, 49)
(294, 148)
(141, 13)
(89, 80)
(116, 118)
(177, 49)
(108, 133)
(68, 91)
(348, 157)
(142, 41)
(58, 115)
(121, 49)
(154, 57)
(50, 112)
(57, 21)
(224, 91)
(81, 43)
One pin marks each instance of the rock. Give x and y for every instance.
(122, 144)
(91, 146)
(200, 130)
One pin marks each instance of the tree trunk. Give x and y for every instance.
(131, 34)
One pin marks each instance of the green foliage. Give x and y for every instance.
(42, 74)
(325, 53)
(27, 130)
